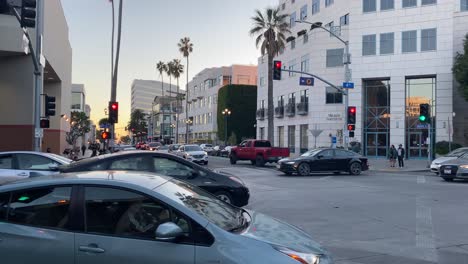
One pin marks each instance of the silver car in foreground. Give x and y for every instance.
(435, 165)
(138, 218)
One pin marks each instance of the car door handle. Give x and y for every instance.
(23, 174)
(92, 248)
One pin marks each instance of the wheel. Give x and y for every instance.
(206, 162)
(233, 159)
(303, 169)
(224, 196)
(448, 179)
(355, 168)
(259, 161)
(252, 162)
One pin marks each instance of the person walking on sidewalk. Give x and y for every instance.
(83, 150)
(401, 156)
(393, 156)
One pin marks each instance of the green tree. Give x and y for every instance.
(137, 123)
(125, 139)
(79, 126)
(460, 69)
(170, 73)
(103, 121)
(186, 47)
(162, 68)
(270, 28)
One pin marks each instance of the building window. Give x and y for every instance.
(387, 4)
(292, 21)
(292, 139)
(333, 96)
(344, 20)
(335, 57)
(368, 45)
(464, 5)
(369, 6)
(262, 81)
(304, 138)
(293, 44)
(306, 38)
(305, 63)
(292, 67)
(281, 101)
(387, 43)
(262, 133)
(304, 96)
(428, 2)
(281, 137)
(428, 39)
(304, 12)
(409, 39)
(77, 101)
(329, 2)
(315, 6)
(292, 98)
(283, 6)
(410, 3)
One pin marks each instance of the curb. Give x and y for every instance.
(388, 170)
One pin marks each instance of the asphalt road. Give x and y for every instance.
(372, 218)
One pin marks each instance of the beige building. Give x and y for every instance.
(17, 81)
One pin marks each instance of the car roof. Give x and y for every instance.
(145, 180)
(44, 154)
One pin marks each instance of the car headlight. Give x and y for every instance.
(464, 166)
(188, 155)
(290, 162)
(304, 258)
(206, 153)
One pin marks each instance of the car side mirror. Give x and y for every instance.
(168, 232)
(53, 167)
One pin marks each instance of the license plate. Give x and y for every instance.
(447, 171)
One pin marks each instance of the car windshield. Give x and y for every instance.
(163, 147)
(311, 153)
(208, 146)
(212, 209)
(458, 153)
(154, 144)
(193, 148)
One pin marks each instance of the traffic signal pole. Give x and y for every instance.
(38, 77)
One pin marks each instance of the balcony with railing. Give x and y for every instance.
(291, 109)
(279, 111)
(303, 108)
(261, 114)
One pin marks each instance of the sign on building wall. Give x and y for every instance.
(337, 116)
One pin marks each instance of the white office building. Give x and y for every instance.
(145, 91)
(402, 53)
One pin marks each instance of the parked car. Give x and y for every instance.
(435, 165)
(229, 188)
(173, 148)
(163, 149)
(454, 169)
(140, 145)
(136, 218)
(16, 165)
(226, 151)
(208, 148)
(325, 160)
(258, 152)
(193, 153)
(153, 146)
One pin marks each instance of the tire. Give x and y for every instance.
(233, 159)
(260, 161)
(355, 168)
(224, 196)
(252, 162)
(448, 179)
(303, 169)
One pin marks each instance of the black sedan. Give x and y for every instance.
(228, 188)
(325, 160)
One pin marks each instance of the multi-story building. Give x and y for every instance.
(163, 121)
(144, 93)
(17, 94)
(78, 98)
(402, 53)
(203, 97)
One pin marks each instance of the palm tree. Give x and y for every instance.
(177, 71)
(162, 68)
(186, 47)
(270, 29)
(170, 71)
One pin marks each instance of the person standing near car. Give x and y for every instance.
(401, 156)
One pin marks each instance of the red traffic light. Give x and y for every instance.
(351, 127)
(278, 64)
(105, 135)
(114, 106)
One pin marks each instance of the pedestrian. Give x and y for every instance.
(401, 156)
(393, 156)
(83, 149)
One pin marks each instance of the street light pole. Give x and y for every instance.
(226, 112)
(347, 74)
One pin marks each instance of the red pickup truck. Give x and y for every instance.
(258, 152)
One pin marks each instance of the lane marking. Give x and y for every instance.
(425, 230)
(421, 179)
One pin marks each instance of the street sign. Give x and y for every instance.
(421, 126)
(39, 133)
(104, 126)
(307, 81)
(348, 85)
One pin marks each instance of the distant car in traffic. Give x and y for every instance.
(228, 188)
(24, 164)
(454, 169)
(163, 149)
(193, 153)
(139, 218)
(208, 148)
(173, 148)
(435, 165)
(324, 160)
(258, 152)
(153, 146)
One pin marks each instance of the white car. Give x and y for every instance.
(435, 165)
(193, 153)
(15, 165)
(207, 147)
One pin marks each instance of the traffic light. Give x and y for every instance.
(28, 13)
(49, 105)
(277, 70)
(351, 134)
(113, 112)
(351, 115)
(105, 135)
(351, 127)
(424, 113)
(45, 123)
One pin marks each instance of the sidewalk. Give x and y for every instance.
(383, 165)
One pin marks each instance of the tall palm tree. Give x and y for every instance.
(270, 29)
(169, 72)
(186, 47)
(162, 68)
(177, 71)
